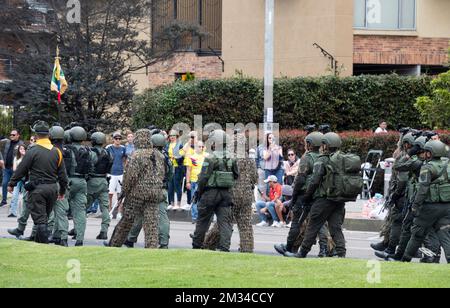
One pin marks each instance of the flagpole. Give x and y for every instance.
(59, 97)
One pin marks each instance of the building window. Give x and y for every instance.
(385, 14)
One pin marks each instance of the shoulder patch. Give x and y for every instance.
(425, 176)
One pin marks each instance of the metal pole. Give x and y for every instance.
(268, 65)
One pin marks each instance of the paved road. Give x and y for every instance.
(265, 238)
(357, 242)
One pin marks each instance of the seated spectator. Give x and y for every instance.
(267, 207)
(291, 167)
(282, 207)
(382, 129)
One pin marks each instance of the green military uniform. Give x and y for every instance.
(45, 166)
(78, 184)
(242, 197)
(98, 183)
(431, 206)
(215, 197)
(323, 209)
(62, 207)
(158, 142)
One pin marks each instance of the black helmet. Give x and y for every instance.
(78, 134)
(98, 138)
(41, 127)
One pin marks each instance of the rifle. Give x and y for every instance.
(120, 198)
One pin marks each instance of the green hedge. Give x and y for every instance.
(351, 103)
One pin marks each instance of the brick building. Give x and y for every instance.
(364, 36)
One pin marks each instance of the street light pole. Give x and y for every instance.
(268, 64)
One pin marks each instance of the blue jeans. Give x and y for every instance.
(7, 174)
(276, 172)
(175, 185)
(94, 207)
(194, 209)
(15, 198)
(270, 206)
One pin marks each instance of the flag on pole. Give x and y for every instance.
(59, 83)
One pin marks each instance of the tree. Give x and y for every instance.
(97, 55)
(435, 109)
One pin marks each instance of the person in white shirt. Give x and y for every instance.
(382, 129)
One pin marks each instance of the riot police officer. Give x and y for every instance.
(218, 175)
(431, 206)
(45, 165)
(79, 166)
(97, 185)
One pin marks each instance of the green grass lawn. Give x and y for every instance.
(25, 264)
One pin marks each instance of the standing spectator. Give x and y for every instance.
(193, 171)
(32, 140)
(119, 154)
(291, 167)
(187, 151)
(273, 159)
(19, 187)
(11, 147)
(382, 129)
(268, 205)
(175, 184)
(130, 144)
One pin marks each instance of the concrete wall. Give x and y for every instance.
(298, 24)
(433, 18)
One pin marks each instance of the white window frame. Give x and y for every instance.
(366, 26)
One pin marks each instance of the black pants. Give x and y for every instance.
(41, 202)
(300, 213)
(430, 215)
(214, 201)
(398, 215)
(324, 210)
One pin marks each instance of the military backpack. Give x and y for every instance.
(223, 177)
(343, 181)
(440, 187)
(82, 163)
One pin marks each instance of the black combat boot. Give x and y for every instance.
(102, 236)
(280, 248)
(78, 243)
(381, 246)
(301, 254)
(129, 244)
(63, 243)
(106, 244)
(382, 255)
(56, 241)
(323, 251)
(31, 238)
(42, 234)
(15, 232)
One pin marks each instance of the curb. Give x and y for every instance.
(350, 224)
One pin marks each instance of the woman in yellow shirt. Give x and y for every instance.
(194, 168)
(174, 148)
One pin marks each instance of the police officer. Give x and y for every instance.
(80, 166)
(410, 164)
(323, 209)
(398, 199)
(242, 197)
(97, 185)
(431, 206)
(45, 165)
(61, 206)
(159, 142)
(218, 175)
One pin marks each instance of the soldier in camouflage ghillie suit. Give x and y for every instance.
(143, 191)
(243, 197)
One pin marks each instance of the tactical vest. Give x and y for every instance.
(412, 185)
(312, 156)
(80, 163)
(440, 188)
(343, 180)
(223, 176)
(104, 162)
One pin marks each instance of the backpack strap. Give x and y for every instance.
(60, 157)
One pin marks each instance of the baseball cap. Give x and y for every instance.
(117, 135)
(271, 178)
